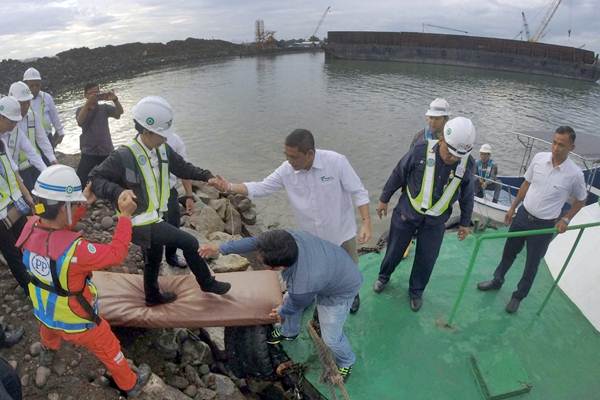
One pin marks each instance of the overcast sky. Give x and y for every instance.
(31, 28)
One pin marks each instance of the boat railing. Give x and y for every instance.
(503, 235)
(503, 186)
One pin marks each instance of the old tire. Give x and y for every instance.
(248, 353)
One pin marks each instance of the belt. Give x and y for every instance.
(532, 218)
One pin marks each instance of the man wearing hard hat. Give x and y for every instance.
(60, 265)
(31, 128)
(437, 115)
(141, 170)
(43, 106)
(486, 170)
(432, 176)
(15, 199)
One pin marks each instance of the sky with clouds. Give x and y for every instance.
(32, 28)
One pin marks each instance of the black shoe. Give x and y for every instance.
(176, 261)
(513, 305)
(161, 298)
(378, 286)
(416, 303)
(47, 357)
(493, 284)
(345, 372)
(217, 287)
(355, 305)
(12, 337)
(278, 337)
(143, 376)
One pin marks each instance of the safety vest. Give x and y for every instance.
(485, 172)
(45, 123)
(49, 294)
(422, 202)
(157, 188)
(9, 187)
(23, 160)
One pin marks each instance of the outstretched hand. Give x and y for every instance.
(89, 194)
(463, 232)
(275, 316)
(209, 250)
(126, 203)
(220, 183)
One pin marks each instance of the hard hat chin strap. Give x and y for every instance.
(69, 214)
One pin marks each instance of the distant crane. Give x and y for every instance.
(313, 36)
(443, 27)
(539, 32)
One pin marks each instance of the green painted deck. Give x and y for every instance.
(406, 355)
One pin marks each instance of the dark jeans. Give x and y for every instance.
(11, 253)
(479, 191)
(429, 241)
(173, 218)
(10, 384)
(29, 176)
(536, 249)
(87, 162)
(164, 234)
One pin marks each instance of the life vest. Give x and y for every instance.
(157, 188)
(47, 255)
(9, 186)
(422, 202)
(486, 172)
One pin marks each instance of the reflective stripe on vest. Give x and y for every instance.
(45, 123)
(485, 172)
(422, 202)
(157, 190)
(23, 160)
(50, 308)
(9, 187)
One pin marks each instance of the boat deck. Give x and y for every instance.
(406, 355)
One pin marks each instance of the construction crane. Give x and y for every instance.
(539, 33)
(443, 27)
(525, 26)
(313, 36)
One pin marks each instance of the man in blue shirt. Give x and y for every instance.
(432, 176)
(312, 268)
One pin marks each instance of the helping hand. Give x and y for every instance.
(208, 250)
(274, 315)
(382, 209)
(189, 205)
(89, 195)
(561, 226)
(126, 203)
(463, 232)
(220, 183)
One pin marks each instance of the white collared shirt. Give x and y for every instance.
(40, 135)
(321, 197)
(50, 114)
(176, 143)
(21, 144)
(550, 186)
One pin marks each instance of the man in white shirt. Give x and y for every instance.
(31, 128)
(551, 179)
(321, 186)
(173, 215)
(43, 106)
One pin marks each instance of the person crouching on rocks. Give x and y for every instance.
(60, 265)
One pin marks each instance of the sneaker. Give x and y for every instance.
(345, 372)
(47, 357)
(378, 286)
(143, 376)
(277, 337)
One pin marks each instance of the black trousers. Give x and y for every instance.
(164, 234)
(173, 218)
(14, 258)
(29, 176)
(10, 384)
(87, 162)
(429, 241)
(536, 249)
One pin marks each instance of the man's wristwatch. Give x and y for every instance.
(566, 220)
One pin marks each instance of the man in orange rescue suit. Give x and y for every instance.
(60, 265)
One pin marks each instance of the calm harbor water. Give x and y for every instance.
(234, 114)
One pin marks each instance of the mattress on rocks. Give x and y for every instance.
(252, 296)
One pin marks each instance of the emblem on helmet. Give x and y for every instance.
(150, 121)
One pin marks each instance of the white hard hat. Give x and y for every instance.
(59, 183)
(438, 108)
(20, 91)
(485, 148)
(10, 108)
(32, 74)
(459, 135)
(154, 114)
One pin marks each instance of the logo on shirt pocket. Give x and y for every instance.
(325, 179)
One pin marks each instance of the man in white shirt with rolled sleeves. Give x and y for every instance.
(321, 186)
(551, 179)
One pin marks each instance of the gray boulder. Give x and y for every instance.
(207, 221)
(230, 263)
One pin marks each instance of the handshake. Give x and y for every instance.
(220, 183)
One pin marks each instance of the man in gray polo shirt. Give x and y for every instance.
(95, 141)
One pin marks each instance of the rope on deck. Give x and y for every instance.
(329, 375)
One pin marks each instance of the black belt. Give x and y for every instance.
(532, 218)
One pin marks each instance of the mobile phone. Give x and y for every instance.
(102, 96)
